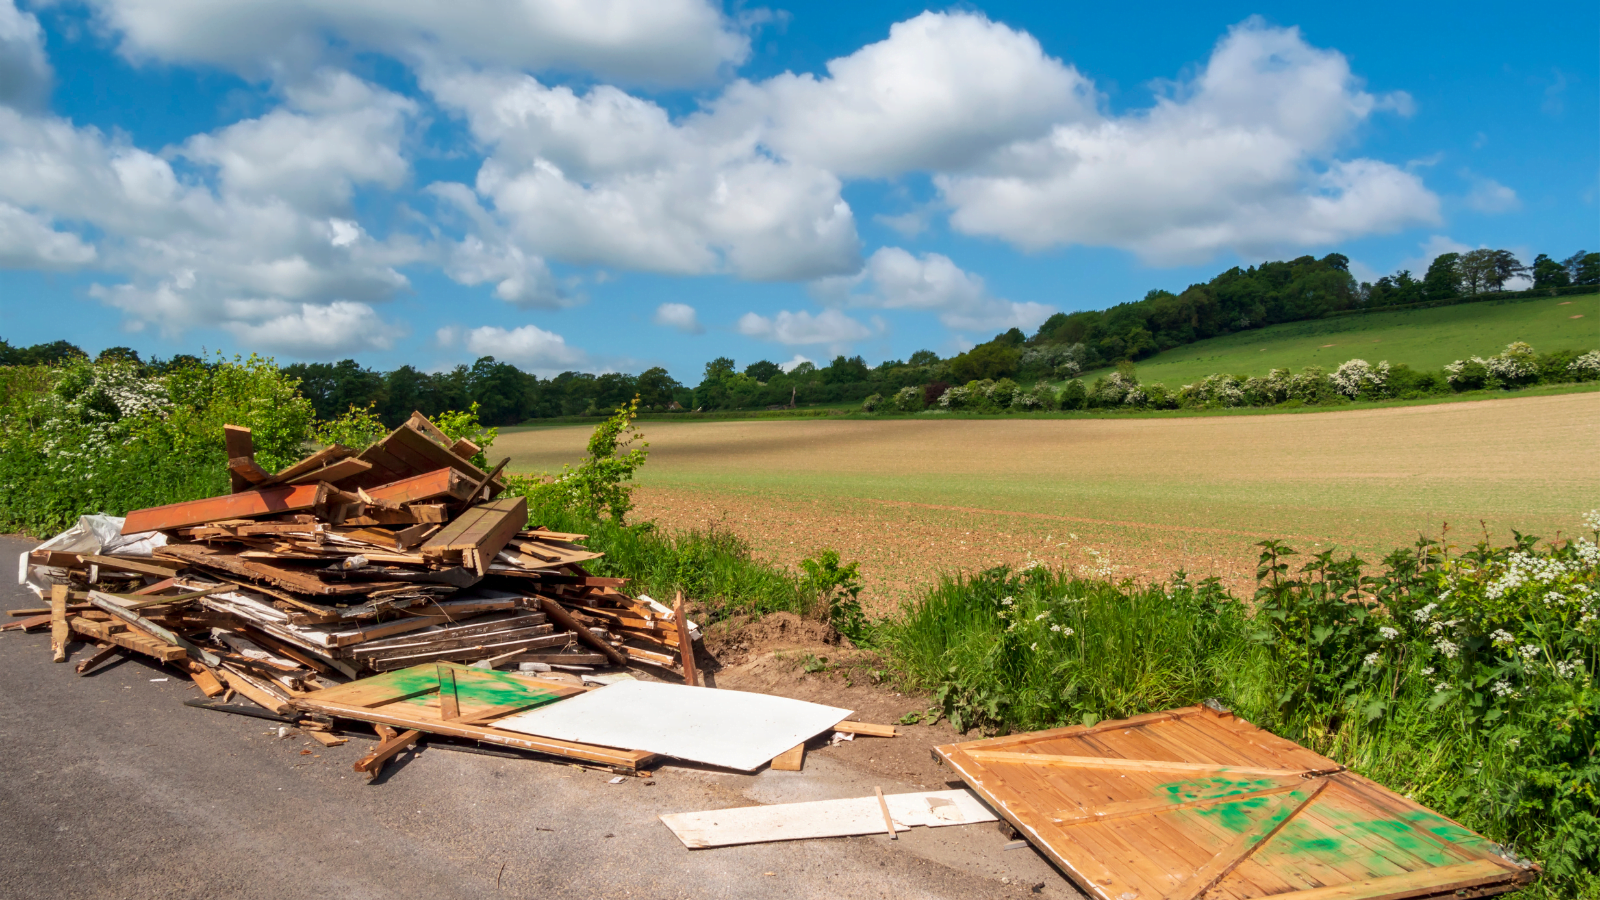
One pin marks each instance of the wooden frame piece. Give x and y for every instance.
(243, 505)
(686, 646)
(241, 449)
(1141, 765)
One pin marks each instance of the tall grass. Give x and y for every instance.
(715, 567)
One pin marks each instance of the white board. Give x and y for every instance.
(732, 729)
(824, 818)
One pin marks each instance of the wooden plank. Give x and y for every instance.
(313, 462)
(866, 728)
(485, 528)
(328, 740)
(1261, 831)
(373, 762)
(449, 708)
(297, 580)
(563, 618)
(437, 484)
(59, 633)
(372, 632)
(137, 566)
(106, 603)
(255, 691)
(1440, 881)
(888, 820)
(1140, 765)
(243, 505)
(240, 445)
(686, 647)
(122, 637)
(791, 760)
(204, 677)
(104, 653)
(606, 756)
(242, 470)
(338, 471)
(485, 650)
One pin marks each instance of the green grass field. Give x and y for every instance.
(1420, 338)
(910, 497)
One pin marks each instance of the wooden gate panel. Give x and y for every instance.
(1195, 803)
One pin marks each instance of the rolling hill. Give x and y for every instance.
(1420, 338)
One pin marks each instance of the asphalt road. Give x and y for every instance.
(111, 787)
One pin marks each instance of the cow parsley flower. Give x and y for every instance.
(1501, 637)
(1387, 633)
(1502, 689)
(1528, 651)
(1427, 670)
(1447, 648)
(1425, 613)
(1371, 659)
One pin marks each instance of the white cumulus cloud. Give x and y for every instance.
(940, 92)
(27, 241)
(340, 328)
(607, 178)
(830, 327)
(24, 71)
(1241, 158)
(679, 317)
(893, 278)
(666, 41)
(528, 347)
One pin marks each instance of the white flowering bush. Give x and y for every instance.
(907, 399)
(1586, 367)
(955, 398)
(1213, 391)
(115, 435)
(872, 403)
(1357, 376)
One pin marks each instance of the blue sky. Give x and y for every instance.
(614, 185)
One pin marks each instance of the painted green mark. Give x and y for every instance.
(475, 689)
(1212, 787)
(1239, 815)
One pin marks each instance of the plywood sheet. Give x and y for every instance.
(732, 729)
(825, 818)
(1196, 802)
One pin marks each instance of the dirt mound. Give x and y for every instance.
(734, 640)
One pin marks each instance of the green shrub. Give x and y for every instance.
(113, 435)
(872, 403)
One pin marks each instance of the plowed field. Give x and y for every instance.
(1140, 497)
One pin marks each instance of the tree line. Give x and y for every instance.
(1065, 344)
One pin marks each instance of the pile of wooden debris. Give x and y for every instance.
(347, 564)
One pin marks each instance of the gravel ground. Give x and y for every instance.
(114, 788)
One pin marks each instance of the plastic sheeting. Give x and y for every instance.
(92, 534)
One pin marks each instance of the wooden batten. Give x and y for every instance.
(243, 505)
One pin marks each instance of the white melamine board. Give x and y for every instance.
(733, 729)
(824, 818)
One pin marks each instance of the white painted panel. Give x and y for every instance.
(824, 818)
(733, 729)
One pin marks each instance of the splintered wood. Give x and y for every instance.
(347, 564)
(1195, 802)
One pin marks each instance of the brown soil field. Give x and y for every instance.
(1134, 497)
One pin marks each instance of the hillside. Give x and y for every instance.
(1420, 338)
